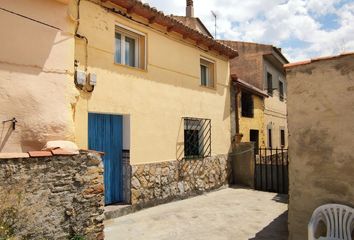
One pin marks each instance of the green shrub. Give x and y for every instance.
(76, 237)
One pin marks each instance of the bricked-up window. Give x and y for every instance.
(129, 48)
(197, 137)
(281, 91)
(269, 84)
(247, 105)
(282, 137)
(207, 69)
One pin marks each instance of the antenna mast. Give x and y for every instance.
(215, 17)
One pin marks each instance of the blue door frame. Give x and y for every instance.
(105, 134)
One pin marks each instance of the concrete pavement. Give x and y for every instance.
(232, 213)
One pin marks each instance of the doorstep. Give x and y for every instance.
(114, 211)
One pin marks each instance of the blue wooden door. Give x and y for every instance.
(106, 134)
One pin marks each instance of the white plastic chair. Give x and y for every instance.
(339, 221)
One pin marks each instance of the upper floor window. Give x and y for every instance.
(281, 91)
(246, 104)
(129, 48)
(269, 84)
(207, 69)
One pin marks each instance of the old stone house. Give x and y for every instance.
(122, 78)
(261, 66)
(321, 113)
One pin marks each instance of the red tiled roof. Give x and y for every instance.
(171, 24)
(295, 64)
(245, 85)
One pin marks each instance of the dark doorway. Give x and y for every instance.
(254, 137)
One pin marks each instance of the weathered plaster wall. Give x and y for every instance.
(36, 67)
(54, 197)
(275, 111)
(321, 113)
(157, 98)
(167, 181)
(255, 123)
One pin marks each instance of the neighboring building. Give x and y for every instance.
(191, 21)
(321, 113)
(163, 88)
(262, 67)
(250, 112)
(36, 71)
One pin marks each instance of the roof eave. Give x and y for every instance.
(144, 10)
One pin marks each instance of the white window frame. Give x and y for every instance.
(210, 63)
(124, 32)
(207, 80)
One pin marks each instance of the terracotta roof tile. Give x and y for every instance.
(40, 154)
(295, 64)
(144, 10)
(59, 151)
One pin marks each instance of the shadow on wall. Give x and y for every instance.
(277, 229)
(5, 134)
(26, 45)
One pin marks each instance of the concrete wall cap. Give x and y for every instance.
(13, 155)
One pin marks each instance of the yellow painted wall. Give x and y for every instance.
(36, 67)
(256, 123)
(155, 99)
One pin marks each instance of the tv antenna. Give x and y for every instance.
(215, 18)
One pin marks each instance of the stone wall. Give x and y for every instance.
(321, 113)
(54, 197)
(156, 183)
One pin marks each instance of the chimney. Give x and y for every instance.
(189, 9)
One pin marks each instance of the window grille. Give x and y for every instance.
(197, 137)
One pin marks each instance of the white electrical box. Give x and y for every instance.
(80, 77)
(92, 79)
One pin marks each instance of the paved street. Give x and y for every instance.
(231, 213)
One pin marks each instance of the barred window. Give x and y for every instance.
(197, 137)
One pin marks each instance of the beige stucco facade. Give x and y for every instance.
(36, 71)
(321, 113)
(275, 110)
(156, 99)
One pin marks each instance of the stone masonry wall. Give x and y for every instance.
(55, 197)
(157, 183)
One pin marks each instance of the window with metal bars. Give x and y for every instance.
(197, 137)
